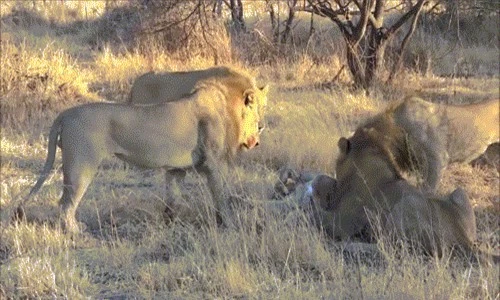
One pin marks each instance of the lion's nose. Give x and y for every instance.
(252, 142)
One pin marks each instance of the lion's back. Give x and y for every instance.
(171, 86)
(472, 128)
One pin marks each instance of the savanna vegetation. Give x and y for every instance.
(318, 57)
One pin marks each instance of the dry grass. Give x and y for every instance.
(127, 250)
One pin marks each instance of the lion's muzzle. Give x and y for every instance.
(251, 142)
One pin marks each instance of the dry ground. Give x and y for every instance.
(127, 250)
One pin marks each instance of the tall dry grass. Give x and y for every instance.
(127, 249)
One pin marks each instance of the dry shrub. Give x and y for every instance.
(444, 46)
(44, 276)
(318, 45)
(53, 11)
(254, 48)
(118, 26)
(117, 71)
(186, 29)
(34, 81)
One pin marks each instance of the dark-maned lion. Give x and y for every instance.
(425, 137)
(368, 184)
(203, 130)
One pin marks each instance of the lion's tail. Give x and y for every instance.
(55, 131)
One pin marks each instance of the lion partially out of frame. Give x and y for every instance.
(369, 197)
(424, 137)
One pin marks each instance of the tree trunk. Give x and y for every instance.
(288, 24)
(375, 55)
(237, 15)
(311, 26)
(354, 63)
(272, 15)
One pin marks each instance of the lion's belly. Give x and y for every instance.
(161, 154)
(153, 140)
(158, 148)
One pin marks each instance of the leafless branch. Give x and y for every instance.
(399, 54)
(324, 9)
(412, 12)
(168, 24)
(361, 28)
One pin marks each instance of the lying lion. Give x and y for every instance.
(369, 189)
(424, 137)
(203, 130)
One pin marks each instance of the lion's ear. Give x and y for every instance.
(344, 145)
(249, 96)
(265, 89)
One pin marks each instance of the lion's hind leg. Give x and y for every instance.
(77, 177)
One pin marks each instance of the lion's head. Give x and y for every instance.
(362, 170)
(365, 156)
(252, 114)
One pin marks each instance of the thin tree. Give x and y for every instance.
(289, 21)
(236, 7)
(273, 7)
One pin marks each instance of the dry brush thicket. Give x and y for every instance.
(54, 56)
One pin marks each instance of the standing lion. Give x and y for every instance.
(154, 87)
(425, 137)
(203, 131)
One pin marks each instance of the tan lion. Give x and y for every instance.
(170, 86)
(203, 130)
(369, 188)
(152, 88)
(421, 136)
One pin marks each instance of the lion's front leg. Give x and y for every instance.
(172, 190)
(432, 161)
(216, 170)
(215, 163)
